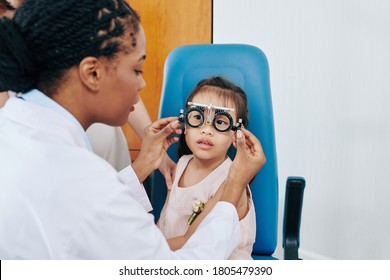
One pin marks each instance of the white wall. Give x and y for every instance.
(330, 82)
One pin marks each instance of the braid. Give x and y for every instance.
(17, 71)
(61, 33)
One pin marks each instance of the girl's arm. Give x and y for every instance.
(176, 243)
(243, 207)
(162, 214)
(166, 199)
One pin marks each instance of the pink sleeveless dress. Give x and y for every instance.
(174, 215)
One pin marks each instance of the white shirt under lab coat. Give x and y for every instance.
(58, 200)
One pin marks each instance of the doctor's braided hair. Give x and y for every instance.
(47, 37)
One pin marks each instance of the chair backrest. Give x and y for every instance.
(247, 67)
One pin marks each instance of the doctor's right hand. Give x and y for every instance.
(156, 140)
(248, 161)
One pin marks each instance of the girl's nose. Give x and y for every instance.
(207, 128)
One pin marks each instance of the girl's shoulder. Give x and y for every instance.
(180, 167)
(186, 157)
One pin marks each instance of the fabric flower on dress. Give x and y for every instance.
(197, 208)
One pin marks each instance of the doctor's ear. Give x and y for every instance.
(91, 71)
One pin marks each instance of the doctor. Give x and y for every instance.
(77, 63)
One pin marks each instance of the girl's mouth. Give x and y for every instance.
(205, 143)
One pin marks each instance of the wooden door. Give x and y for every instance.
(167, 24)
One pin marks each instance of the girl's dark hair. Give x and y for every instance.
(47, 37)
(228, 91)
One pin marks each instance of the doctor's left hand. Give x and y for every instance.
(156, 140)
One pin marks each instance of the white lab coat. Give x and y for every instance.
(58, 200)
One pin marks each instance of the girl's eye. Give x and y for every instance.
(138, 72)
(221, 122)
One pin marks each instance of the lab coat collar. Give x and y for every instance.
(40, 112)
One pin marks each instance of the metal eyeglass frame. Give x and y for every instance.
(183, 117)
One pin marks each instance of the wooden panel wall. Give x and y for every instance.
(167, 24)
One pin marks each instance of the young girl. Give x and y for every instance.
(213, 110)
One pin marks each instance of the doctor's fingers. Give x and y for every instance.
(249, 147)
(166, 127)
(163, 123)
(253, 144)
(169, 141)
(172, 127)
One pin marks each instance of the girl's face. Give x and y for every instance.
(205, 142)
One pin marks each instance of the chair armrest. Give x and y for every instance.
(292, 216)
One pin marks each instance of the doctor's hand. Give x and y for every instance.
(248, 161)
(156, 140)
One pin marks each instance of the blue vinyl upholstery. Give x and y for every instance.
(247, 67)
